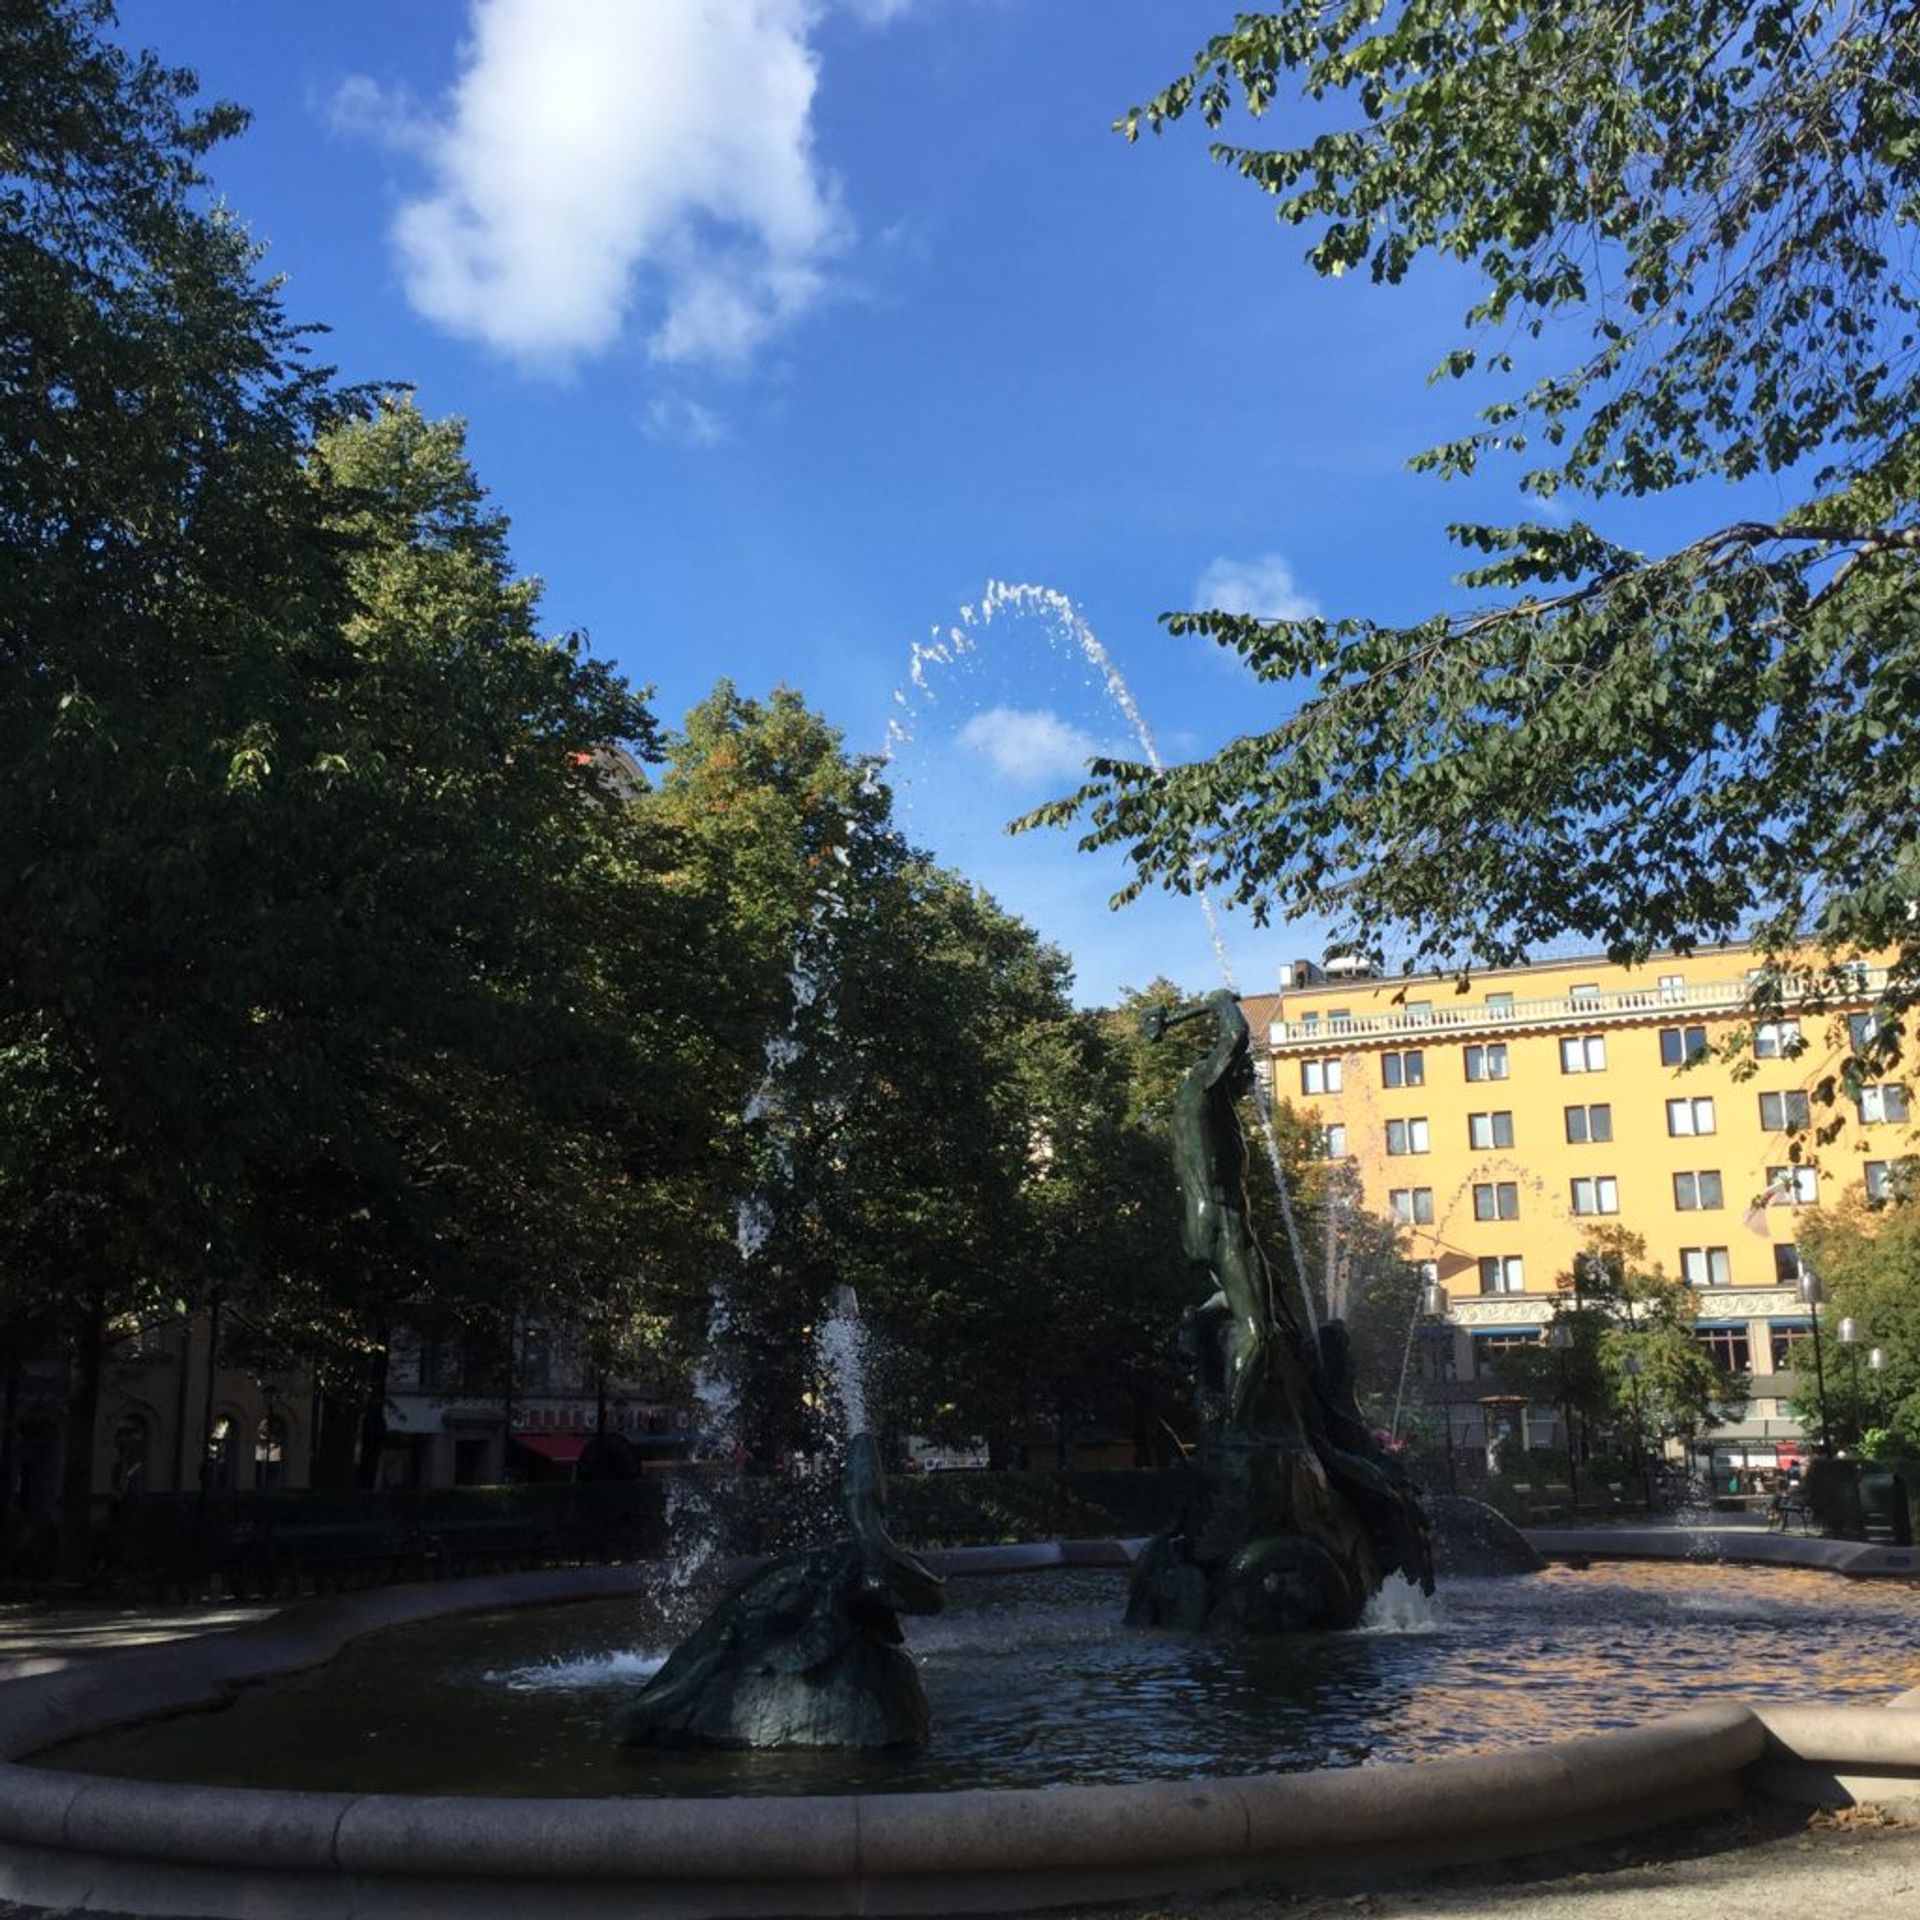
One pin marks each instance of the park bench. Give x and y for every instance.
(475, 1542)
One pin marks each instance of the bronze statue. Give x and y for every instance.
(805, 1653)
(1295, 1515)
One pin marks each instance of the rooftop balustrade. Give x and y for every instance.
(1722, 997)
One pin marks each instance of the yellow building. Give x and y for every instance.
(1498, 1123)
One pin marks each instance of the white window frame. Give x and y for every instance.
(1509, 1273)
(1595, 1194)
(1324, 1075)
(1797, 1186)
(1685, 1115)
(1491, 1058)
(1699, 1265)
(1776, 1040)
(1583, 1053)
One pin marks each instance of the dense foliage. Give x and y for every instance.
(1690, 227)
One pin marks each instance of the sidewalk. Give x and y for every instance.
(1771, 1864)
(42, 1639)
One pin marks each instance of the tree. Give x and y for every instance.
(319, 990)
(1631, 1369)
(1690, 226)
(1869, 1260)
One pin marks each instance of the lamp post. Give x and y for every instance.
(1560, 1338)
(1850, 1339)
(1433, 1310)
(1812, 1292)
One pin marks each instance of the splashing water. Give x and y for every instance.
(1401, 1607)
(842, 1346)
(1069, 629)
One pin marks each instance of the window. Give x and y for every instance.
(1584, 1053)
(1403, 1069)
(1407, 1136)
(1706, 1266)
(1598, 1194)
(1776, 1039)
(1589, 1124)
(1496, 1200)
(1488, 1347)
(1879, 1180)
(1486, 1130)
(1786, 1265)
(1678, 1045)
(1673, 986)
(1879, 1103)
(1321, 1076)
(1499, 1003)
(1783, 1112)
(1333, 1142)
(269, 1453)
(1686, 1118)
(1728, 1345)
(1309, 1019)
(1411, 1206)
(1697, 1192)
(1418, 1010)
(1864, 1031)
(132, 1441)
(1487, 1063)
(223, 1455)
(1587, 994)
(1782, 1337)
(1799, 1186)
(1503, 1273)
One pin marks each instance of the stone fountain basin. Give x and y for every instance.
(135, 1846)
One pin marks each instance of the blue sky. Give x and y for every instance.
(783, 327)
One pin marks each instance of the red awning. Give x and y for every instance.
(563, 1447)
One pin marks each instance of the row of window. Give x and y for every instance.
(1702, 1191)
(1581, 1053)
(1688, 1118)
(1699, 1267)
(1731, 1346)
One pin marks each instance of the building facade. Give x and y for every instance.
(1497, 1123)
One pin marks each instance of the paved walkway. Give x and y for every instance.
(1769, 1865)
(42, 1639)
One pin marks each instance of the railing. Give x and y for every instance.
(1558, 1010)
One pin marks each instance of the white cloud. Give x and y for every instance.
(677, 420)
(1263, 587)
(1028, 744)
(601, 159)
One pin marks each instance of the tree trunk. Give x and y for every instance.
(333, 1448)
(373, 1416)
(75, 1556)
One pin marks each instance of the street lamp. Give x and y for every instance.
(1812, 1292)
(1850, 1339)
(1560, 1338)
(1433, 1311)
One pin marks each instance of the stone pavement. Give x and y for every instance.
(1770, 1864)
(43, 1639)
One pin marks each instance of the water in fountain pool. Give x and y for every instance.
(1033, 1683)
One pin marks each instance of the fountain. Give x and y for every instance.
(1295, 1517)
(1214, 1742)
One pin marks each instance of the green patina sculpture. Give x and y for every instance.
(1295, 1515)
(805, 1653)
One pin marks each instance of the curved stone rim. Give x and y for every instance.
(1003, 1847)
